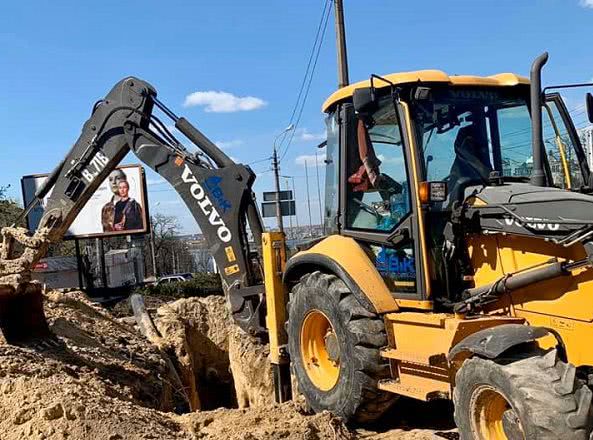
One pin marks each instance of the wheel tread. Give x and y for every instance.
(368, 333)
(559, 406)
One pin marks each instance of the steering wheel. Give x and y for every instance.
(368, 208)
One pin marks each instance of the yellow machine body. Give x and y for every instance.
(423, 349)
(562, 304)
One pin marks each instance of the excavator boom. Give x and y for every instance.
(216, 190)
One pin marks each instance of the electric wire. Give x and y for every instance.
(307, 77)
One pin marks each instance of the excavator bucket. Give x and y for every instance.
(22, 319)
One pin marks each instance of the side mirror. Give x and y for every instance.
(589, 102)
(364, 100)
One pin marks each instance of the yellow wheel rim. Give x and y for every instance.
(492, 416)
(320, 351)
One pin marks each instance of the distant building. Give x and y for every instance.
(124, 267)
(57, 272)
(202, 259)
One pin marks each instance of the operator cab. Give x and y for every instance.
(417, 145)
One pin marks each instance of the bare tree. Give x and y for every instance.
(172, 254)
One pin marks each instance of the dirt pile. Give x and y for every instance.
(99, 379)
(286, 421)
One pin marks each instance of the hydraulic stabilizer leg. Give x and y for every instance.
(274, 257)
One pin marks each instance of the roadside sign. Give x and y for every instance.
(287, 207)
(271, 195)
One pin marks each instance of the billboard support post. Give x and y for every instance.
(78, 264)
(152, 249)
(101, 260)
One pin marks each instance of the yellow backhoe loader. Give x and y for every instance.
(457, 263)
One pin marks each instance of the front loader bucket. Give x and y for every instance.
(22, 319)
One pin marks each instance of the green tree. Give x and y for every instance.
(9, 208)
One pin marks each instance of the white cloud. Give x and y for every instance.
(223, 102)
(310, 160)
(586, 3)
(229, 144)
(305, 135)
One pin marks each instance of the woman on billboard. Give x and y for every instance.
(127, 212)
(121, 213)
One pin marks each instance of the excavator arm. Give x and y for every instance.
(216, 190)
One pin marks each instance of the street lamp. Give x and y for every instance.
(276, 168)
(286, 130)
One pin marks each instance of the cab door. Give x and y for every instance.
(379, 196)
(565, 156)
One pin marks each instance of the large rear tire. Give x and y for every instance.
(529, 396)
(334, 348)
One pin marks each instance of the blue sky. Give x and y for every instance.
(59, 57)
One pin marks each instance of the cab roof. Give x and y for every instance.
(428, 76)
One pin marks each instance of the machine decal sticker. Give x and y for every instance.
(99, 161)
(212, 184)
(231, 269)
(541, 224)
(206, 206)
(230, 254)
(396, 264)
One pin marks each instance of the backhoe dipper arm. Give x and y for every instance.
(216, 190)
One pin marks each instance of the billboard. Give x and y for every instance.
(118, 207)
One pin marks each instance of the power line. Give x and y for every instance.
(265, 159)
(308, 77)
(296, 104)
(547, 123)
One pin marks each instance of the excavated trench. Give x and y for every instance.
(218, 363)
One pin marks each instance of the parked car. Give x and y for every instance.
(175, 278)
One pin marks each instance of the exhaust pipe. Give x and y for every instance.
(538, 177)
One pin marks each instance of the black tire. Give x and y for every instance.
(359, 334)
(545, 396)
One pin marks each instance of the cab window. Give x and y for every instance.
(560, 148)
(378, 196)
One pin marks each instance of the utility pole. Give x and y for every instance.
(308, 201)
(296, 216)
(290, 216)
(319, 196)
(343, 80)
(276, 169)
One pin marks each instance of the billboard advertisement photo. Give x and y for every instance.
(118, 207)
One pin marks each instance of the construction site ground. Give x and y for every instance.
(204, 379)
